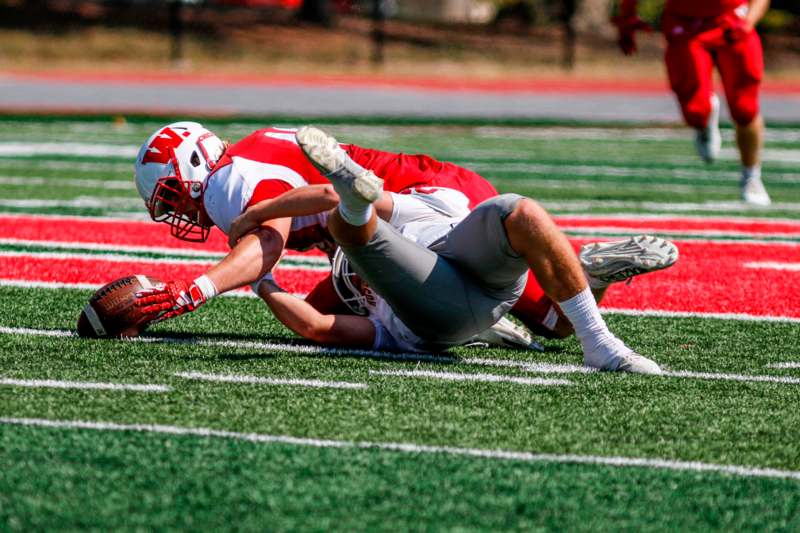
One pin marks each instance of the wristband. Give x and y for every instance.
(206, 286)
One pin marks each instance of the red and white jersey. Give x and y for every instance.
(263, 165)
(701, 8)
(268, 162)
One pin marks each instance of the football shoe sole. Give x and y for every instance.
(621, 260)
(333, 162)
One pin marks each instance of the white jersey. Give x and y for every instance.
(423, 218)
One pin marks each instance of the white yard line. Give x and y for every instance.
(732, 377)
(417, 449)
(773, 265)
(74, 166)
(677, 207)
(458, 376)
(25, 181)
(255, 380)
(710, 234)
(690, 314)
(112, 258)
(528, 366)
(709, 219)
(696, 177)
(18, 149)
(251, 345)
(288, 263)
(56, 384)
(788, 365)
(93, 202)
(102, 247)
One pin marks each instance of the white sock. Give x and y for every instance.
(753, 172)
(355, 213)
(590, 328)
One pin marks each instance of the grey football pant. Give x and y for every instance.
(459, 286)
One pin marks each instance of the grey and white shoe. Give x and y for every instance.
(754, 192)
(621, 260)
(708, 141)
(617, 357)
(506, 333)
(351, 180)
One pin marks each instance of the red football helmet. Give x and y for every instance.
(171, 170)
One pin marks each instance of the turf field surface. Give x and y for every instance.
(223, 419)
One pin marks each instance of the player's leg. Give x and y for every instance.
(507, 235)
(535, 237)
(741, 67)
(689, 68)
(429, 295)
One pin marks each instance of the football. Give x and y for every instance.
(111, 312)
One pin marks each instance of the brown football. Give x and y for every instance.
(111, 312)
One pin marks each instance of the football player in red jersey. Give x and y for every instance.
(191, 181)
(699, 35)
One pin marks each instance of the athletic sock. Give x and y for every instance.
(353, 212)
(597, 341)
(749, 173)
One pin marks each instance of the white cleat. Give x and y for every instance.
(348, 177)
(506, 333)
(620, 358)
(708, 140)
(620, 260)
(753, 191)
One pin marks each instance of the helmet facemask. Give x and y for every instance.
(171, 170)
(351, 289)
(178, 203)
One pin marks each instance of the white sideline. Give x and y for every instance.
(503, 455)
(529, 366)
(773, 265)
(458, 376)
(690, 314)
(293, 348)
(732, 377)
(298, 261)
(56, 384)
(255, 380)
(118, 185)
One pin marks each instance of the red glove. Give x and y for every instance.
(627, 26)
(171, 299)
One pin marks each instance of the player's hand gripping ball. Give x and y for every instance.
(112, 310)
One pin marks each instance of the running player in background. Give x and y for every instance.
(701, 34)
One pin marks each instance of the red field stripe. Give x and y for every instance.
(102, 231)
(645, 224)
(707, 279)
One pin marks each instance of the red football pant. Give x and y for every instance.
(691, 55)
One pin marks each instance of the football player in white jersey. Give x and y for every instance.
(440, 295)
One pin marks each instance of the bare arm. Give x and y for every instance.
(300, 201)
(252, 257)
(296, 202)
(758, 9)
(303, 319)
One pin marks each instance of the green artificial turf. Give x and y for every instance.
(73, 479)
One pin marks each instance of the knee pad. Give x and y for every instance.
(744, 109)
(696, 111)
